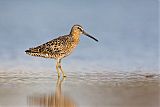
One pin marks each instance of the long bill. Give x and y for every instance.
(90, 36)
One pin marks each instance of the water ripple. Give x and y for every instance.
(98, 78)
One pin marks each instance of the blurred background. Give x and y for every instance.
(127, 31)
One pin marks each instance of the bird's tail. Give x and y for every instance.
(32, 51)
(28, 51)
(39, 51)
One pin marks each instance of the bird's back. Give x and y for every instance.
(56, 48)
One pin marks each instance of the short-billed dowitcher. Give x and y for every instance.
(60, 47)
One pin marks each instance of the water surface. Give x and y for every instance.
(44, 89)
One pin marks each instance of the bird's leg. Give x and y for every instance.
(57, 66)
(60, 67)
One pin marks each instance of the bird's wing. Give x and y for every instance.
(55, 46)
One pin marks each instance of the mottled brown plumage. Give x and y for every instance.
(60, 47)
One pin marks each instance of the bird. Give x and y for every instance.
(60, 47)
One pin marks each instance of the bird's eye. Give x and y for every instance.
(80, 28)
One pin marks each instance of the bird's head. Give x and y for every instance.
(77, 30)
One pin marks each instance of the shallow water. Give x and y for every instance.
(44, 89)
(121, 70)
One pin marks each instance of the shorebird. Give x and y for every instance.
(60, 47)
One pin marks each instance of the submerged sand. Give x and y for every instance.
(102, 89)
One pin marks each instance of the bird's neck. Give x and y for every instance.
(75, 35)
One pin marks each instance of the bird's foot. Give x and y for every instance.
(64, 75)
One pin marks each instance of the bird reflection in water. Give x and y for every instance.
(56, 99)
